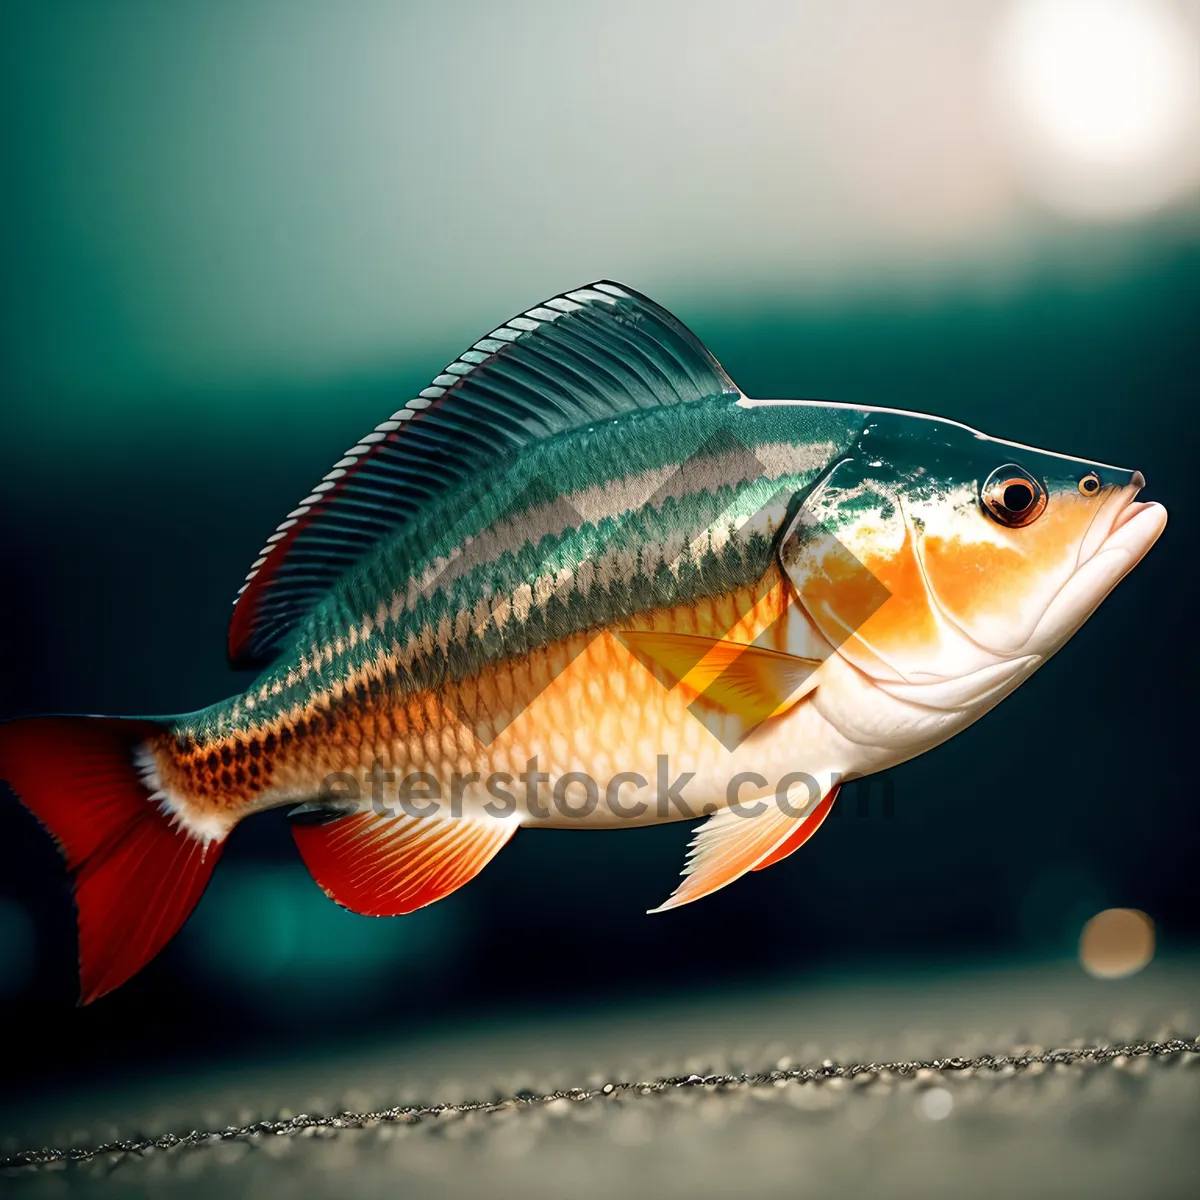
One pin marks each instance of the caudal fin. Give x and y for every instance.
(137, 876)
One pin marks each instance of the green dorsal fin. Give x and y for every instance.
(580, 357)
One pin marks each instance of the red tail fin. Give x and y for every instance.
(137, 876)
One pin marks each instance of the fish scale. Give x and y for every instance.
(453, 728)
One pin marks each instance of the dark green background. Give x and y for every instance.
(145, 457)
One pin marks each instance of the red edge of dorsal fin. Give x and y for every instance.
(137, 875)
(243, 630)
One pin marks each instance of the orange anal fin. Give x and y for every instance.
(384, 865)
(798, 837)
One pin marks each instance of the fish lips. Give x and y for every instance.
(1132, 528)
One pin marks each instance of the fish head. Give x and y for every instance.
(948, 565)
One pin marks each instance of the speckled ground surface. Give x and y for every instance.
(1125, 1127)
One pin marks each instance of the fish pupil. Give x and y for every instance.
(1018, 497)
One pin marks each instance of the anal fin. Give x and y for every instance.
(382, 865)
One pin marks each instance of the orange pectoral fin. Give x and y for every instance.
(747, 681)
(384, 865)
(798, 837)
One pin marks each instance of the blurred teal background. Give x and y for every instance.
(238, 235)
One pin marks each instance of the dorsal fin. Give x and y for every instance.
(580, 357)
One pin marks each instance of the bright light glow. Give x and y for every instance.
(1117, 942)
(1102, 98)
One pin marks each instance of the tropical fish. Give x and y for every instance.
(582, 581)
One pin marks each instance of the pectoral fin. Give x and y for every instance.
(730, 843)
(742, 680)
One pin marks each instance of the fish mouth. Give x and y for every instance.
(1130, 511)
(1122, 511)
(1134, 526)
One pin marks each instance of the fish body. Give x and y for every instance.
(456, 650)
(582, 581)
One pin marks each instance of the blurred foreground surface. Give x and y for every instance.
(1085, 1129)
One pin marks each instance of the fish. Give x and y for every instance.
(582, 581)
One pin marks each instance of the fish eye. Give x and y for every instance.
(1012, 497)
(1089, 485)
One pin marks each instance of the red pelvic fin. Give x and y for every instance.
(807, 828)
(137, 876)
(383, 866)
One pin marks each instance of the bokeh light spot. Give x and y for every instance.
(1102, 100)
(936, 1104)
(1116, 942)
